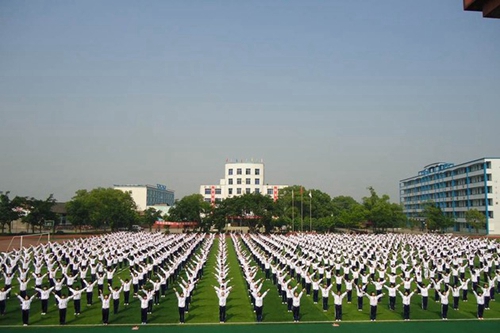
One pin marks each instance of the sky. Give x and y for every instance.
(332, 95)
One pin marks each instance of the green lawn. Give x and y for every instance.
(204, 308)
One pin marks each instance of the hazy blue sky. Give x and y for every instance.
(333, 95)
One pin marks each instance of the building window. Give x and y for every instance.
(238, 181)
(248, 171)
(257, 172)
(230, 172)
(230, 191)
(230, 181)
(238, 171)
(207, 200)
(247, 191)
(270, 191)
(238, 190)
(218, 200)
(257, 181)
(248, 181)
(207, 191)
(217, 191)
(257, 191)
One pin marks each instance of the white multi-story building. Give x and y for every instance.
(456, 189)
(146, 196)
(240, 178)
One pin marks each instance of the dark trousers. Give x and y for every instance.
(62, 316)
(338, 312)
(2, 307)
(222, 313)
(126, 296)
(296, 313)
(373, 312)
(406, 311)
(425, 301)
(325, 303)
(116, 304)
(455, 302)
(258, 312)
(181, 314)
(105, 316)
(480, 310)
(26, 316)
(89, 298)
(392, 303)
(289, 303)
(45, 305)
(144, 315)
(444, 310)
(76, 303)
(360, 303)
(315, 295)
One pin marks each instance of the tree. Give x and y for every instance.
(102, 208)
(191, 208)
(9, 210)
(475, 219)
(347, 212)
(150, 216)
(435, 218)
(381, 212)
(40, 211)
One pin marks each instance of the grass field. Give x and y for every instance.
(204, 310)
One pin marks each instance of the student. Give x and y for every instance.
(337, 300)
(25, 307)
(126, 290)
(222, 295)
(105, 308)
(44, 297)
(89, 288)
(77, 295)
(443, 297)
(181, 303)
(325, 290)
(374, 299)
(144, 308)
(391, 291)
(480, 304)
(116, 297)
(62, 304)
(424, 292)
(360, 292)
(296, 305)
(406, 303)
(3, 297)
(259, 304)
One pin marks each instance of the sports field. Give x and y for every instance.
(386, 327)
(203, 313)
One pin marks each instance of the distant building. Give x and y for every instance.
(490, 8)
(456, 189)
(146, 196)
(240, 177)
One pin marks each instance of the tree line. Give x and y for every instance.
(296, 209)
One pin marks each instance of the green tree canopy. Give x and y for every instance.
(101, 208)
(475, 219)
(8, 210)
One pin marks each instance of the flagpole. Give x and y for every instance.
(310, 211)
(301, 209)
(293, 206)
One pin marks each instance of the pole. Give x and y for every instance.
(301, 210)
(310, 213)
(293, 215)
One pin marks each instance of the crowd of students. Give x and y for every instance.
(371, 263)
(298, 265)
(74, 268)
